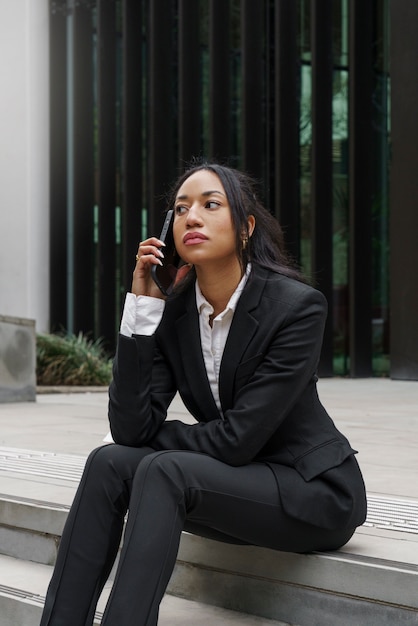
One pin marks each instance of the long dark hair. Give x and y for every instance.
(266, 245)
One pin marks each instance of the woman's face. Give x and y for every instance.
(203, 228)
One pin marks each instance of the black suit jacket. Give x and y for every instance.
(267, 386)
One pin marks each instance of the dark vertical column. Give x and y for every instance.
(287, 97)
(360, 186)
(83, 167)
(270, 175)
(321, 165)
(220, 97)
(132, 142)
(58, 170)
(404, 191)
(253, 88)
(106, 108)
(189, 82)
(161, 110)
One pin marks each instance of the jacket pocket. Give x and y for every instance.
(322, 458)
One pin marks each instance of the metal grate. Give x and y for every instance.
(47, 464)
(392, 513)
(383, 512)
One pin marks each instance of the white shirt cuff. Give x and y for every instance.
(141, 315)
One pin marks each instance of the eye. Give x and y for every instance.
(180, 209)
(212, 204)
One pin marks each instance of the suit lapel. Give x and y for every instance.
(187, 326)
(243, 328)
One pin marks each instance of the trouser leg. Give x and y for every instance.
(91, 536)
(173, 490)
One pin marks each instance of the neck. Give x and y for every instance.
(218, 287)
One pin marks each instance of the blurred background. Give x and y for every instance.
(104, 102)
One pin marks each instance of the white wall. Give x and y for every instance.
(24, 160)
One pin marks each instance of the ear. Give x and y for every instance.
(251, 224)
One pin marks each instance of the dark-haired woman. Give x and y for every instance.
(264, 464)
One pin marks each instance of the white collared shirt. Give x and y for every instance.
(213, 338)
(142, 314)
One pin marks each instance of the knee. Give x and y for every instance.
(107, 477)
(167, 466)
(103, 461)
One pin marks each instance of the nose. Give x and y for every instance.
(194, 216)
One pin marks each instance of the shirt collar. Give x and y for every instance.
(203, 304)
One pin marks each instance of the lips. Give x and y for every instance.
(190, 239)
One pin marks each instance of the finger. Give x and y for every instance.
(153, 242)
(144, 250)
(147, 249)
(147, 259)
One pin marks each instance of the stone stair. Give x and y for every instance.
(373, 581)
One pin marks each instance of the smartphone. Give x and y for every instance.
(165, 275)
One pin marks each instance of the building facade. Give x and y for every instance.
(306, 95)
(24, 160)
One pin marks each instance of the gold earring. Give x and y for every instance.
(244, 242)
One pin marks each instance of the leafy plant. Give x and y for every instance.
(71, 360)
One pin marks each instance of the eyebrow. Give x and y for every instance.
(204, 194)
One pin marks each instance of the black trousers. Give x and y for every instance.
(165, 492)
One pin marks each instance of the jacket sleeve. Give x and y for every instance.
(140, 392)
(265, 397)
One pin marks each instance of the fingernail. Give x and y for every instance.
(161, 254)
(159, 262)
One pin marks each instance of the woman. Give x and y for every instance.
(240, 340)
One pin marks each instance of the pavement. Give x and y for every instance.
(379, 417)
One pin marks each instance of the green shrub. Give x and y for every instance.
(71, 360)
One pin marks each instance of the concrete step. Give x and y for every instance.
(22, 595)
(361, 585)
(30, 529)
(372, 581)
